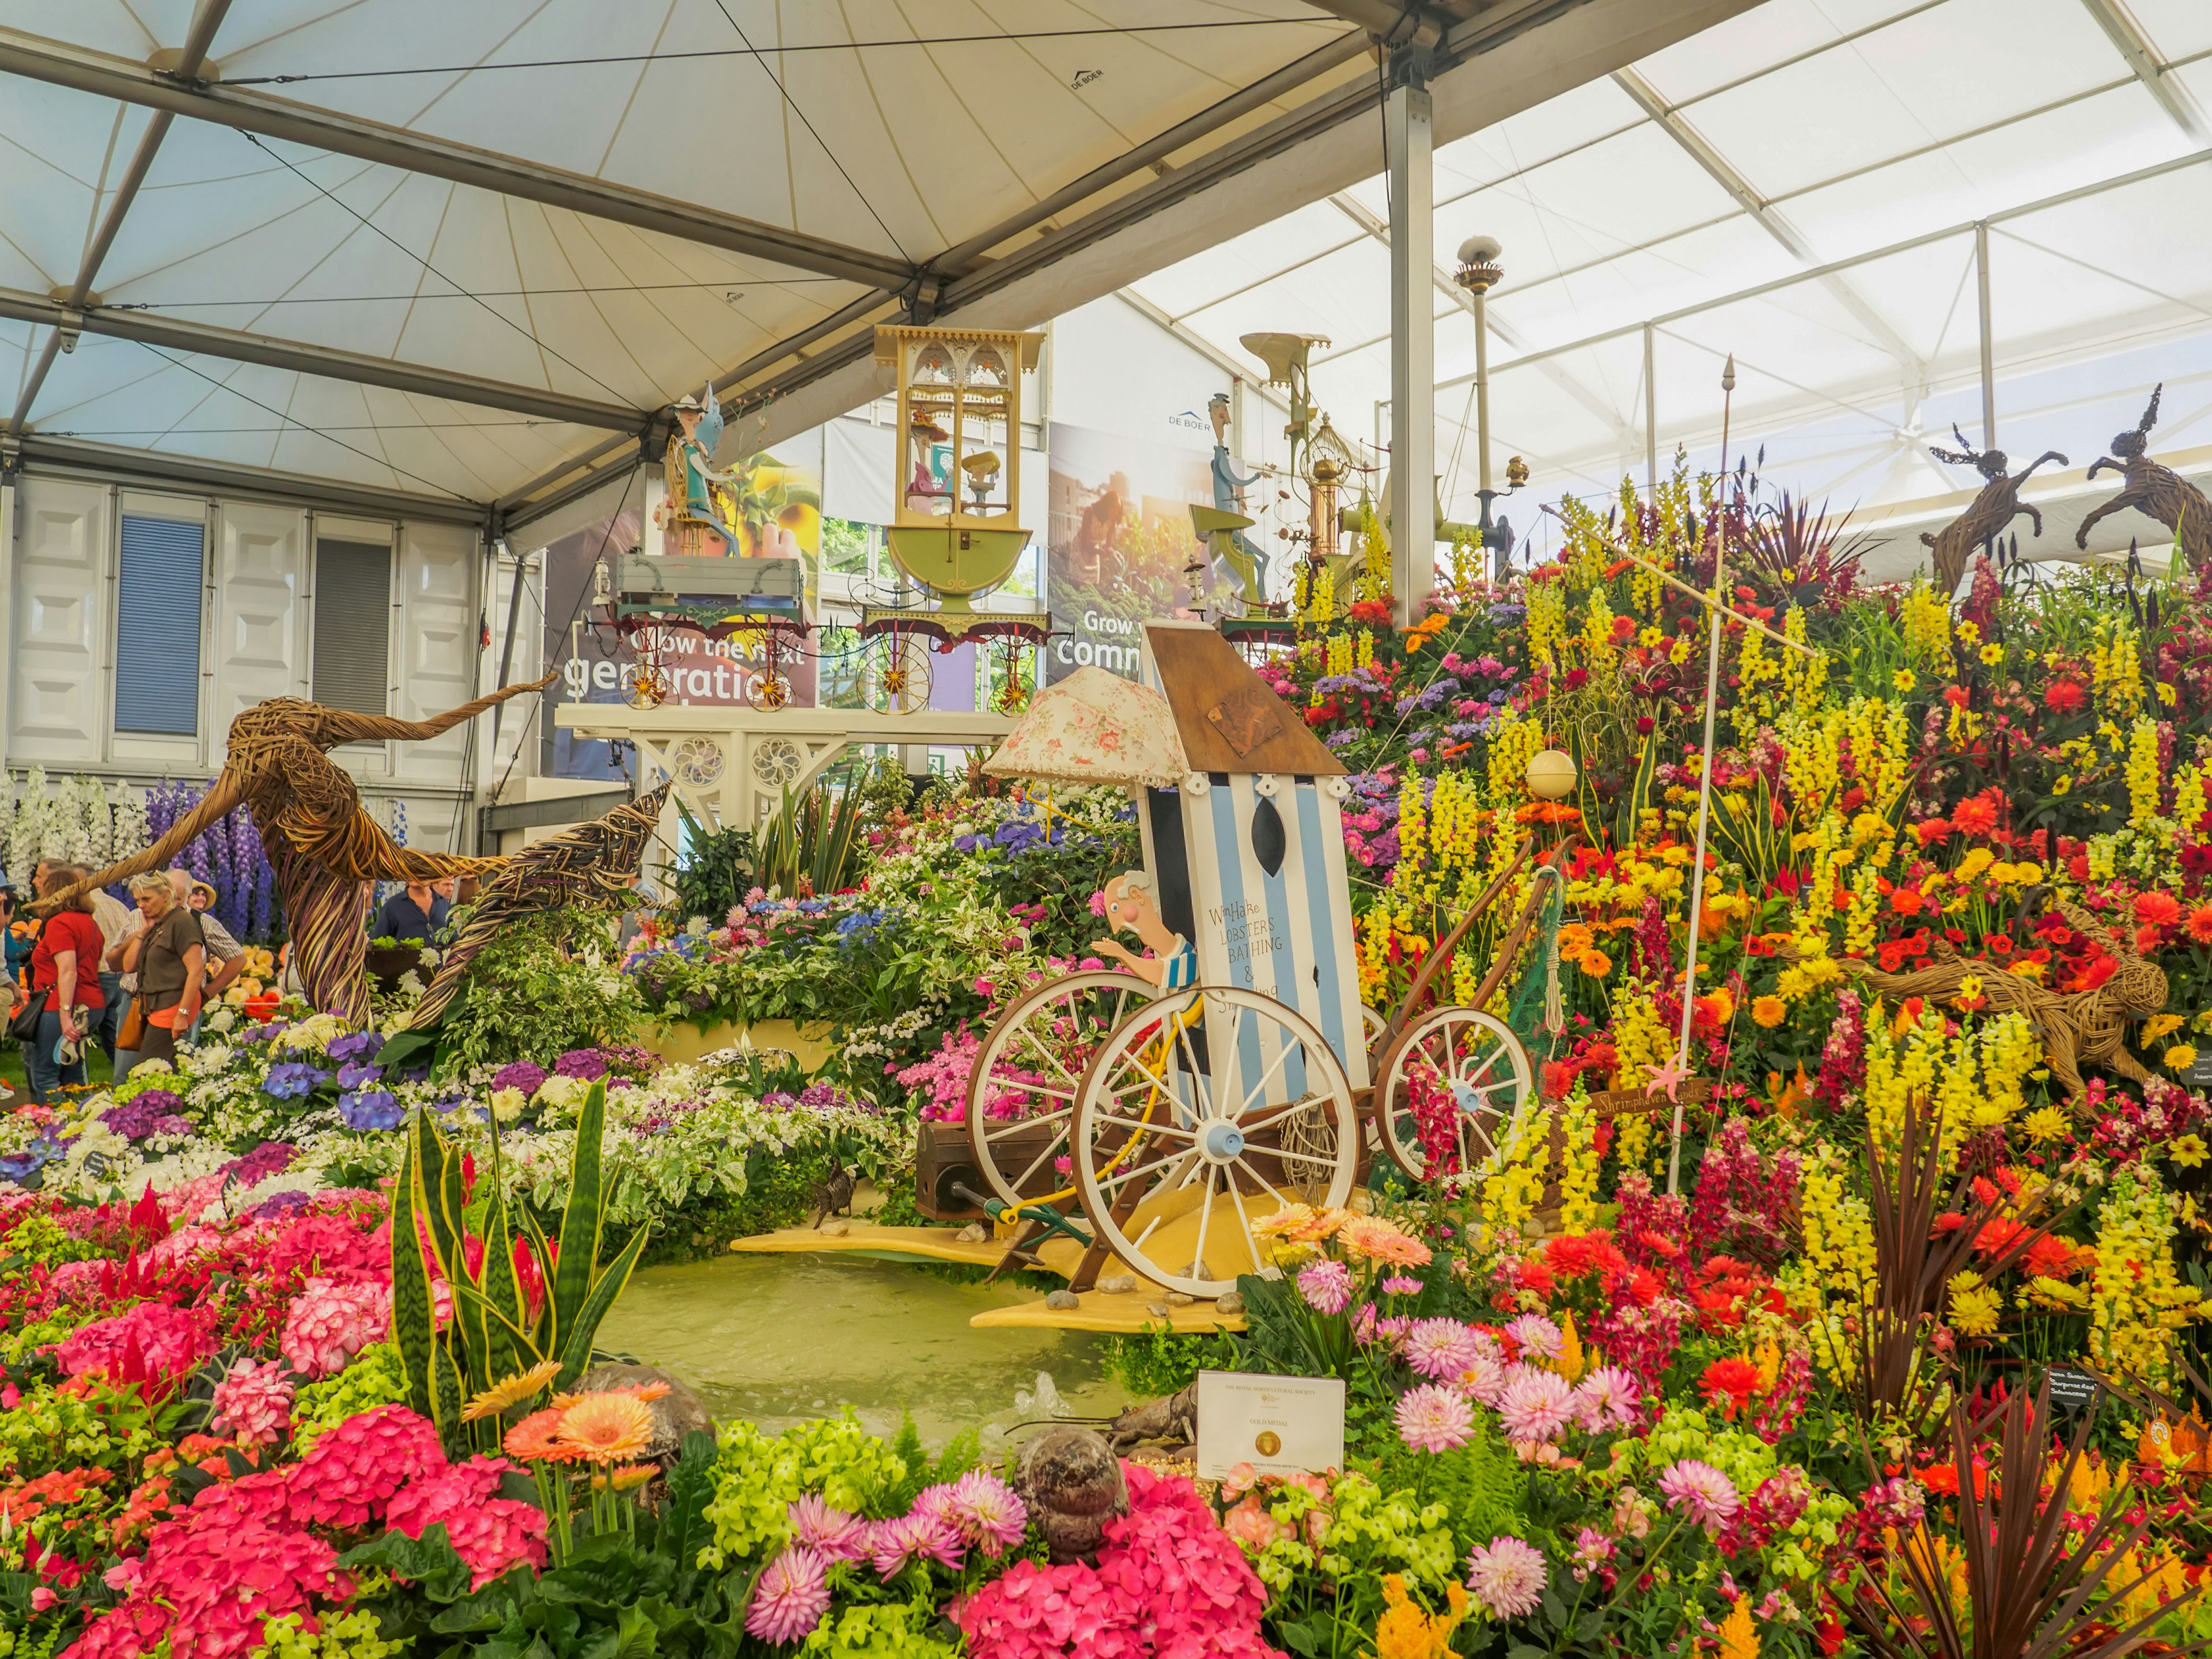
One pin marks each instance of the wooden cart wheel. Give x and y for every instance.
(1032, 1063)
(768, 692)
(901, 684)
(1206, 1111)
(1479, 1072)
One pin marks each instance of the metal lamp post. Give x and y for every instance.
(1479, 272)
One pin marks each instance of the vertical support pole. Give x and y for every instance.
(1482, 401)
(1650, 414)
(1408, 129)
(11, 509)
(1989, 353)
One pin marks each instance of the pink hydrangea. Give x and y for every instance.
(170, 1342)
(353, 1472)
(490, 1532)
(254, 1402)
(330, 1323)
(206, 1589)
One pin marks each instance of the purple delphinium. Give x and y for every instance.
(587, 1064)
(519, 1074)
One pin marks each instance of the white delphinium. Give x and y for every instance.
(132, 833)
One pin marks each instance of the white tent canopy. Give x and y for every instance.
(1799, 185)
(458, 252)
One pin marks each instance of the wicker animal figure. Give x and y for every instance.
(590, 865)
(2075, 1026)
(1998, 506)
(325, 849)
(2157, 491)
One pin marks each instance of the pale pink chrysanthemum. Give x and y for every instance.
(792, 1594)
(1701, 1491)
(1440, 1348)
(989, 1514)
(1536, 1337)
(1607, 1399)
(1327, 1286)
(1434, 1420)
(1535, 1404)
(254, 1402)
(831, 1533)
(1507, 1576)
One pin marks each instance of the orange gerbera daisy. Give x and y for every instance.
(607, 1428)
(1376, 1240)
(536, 1439)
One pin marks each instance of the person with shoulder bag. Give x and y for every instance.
(65, 1001)
(171, 963)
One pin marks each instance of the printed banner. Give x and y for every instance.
(1120, 551)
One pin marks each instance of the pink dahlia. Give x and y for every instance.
(920, 1535)
(792, 1594)
(1535, 1404)
(1607, 1399)
(1701, 1491)
(328, 1324)
(353, 1472)
(1441, 1348)
(988, 1513)
(254, 1402)
(1434, 1420)
(831, 1533)
(1507, 1576)
(1535, 1336)
(491, 1533)
(1326, 1285)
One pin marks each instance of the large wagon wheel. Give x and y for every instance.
(1207, 1111)
(1032, 1064)
(1467, 1064)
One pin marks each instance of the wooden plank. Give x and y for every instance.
(1228, 719)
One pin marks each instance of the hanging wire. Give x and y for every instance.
(457, 287)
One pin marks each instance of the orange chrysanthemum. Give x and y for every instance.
(536, 1439)
(2200, 924)
(607, 1428)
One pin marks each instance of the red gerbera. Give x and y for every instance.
(1975, 815)
(1730, 1383)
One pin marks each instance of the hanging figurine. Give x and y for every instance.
(1129, 904)
(696, 511)
(1247, 563)
(1998, 506)
(2157, 491)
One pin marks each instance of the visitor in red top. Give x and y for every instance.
(65, 965)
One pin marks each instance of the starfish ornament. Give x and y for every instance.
(1671, 1077)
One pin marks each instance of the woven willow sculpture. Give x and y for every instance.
(2075, 1026)
(590, 865)
(325, 849)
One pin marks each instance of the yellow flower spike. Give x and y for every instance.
(1406, 1631)
(1571, 1362)
(1739, 1636)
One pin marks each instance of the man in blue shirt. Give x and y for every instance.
(414, 913)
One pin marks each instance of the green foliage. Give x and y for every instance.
(1483, 1486)
(1156, 1361)
(963, 1452)
(759, 1477)
(350, 1635)
(884, 1629)
(814, 840)
(377, 1376)
(492, 1336)
(542, 987)
(718, 872)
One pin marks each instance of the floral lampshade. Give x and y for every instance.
(1094, 727)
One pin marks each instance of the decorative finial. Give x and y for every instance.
(1727, 374)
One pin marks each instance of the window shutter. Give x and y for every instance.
(157, 626)
(353, 625)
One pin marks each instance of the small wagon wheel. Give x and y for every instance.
(1021, 1090)
(1459, 1072)
(770, 688)
(643, 685)
(901, 680)
(1205, 1112)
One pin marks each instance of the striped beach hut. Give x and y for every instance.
(1248, 851)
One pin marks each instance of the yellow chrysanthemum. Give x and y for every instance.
(1769, 1011)
(1975, 1306)
(2044, 1124)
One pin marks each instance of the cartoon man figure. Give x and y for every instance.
(692, 514)
(1228, 497)
(1130, 905)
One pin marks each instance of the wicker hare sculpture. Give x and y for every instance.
(2158, 491)
(2075, 1026)
(1998, 506)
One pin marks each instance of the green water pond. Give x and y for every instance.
(777, 1338)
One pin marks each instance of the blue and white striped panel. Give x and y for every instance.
(1288, 935)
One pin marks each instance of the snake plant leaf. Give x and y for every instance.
(576, 1336)
(413, 1328)
(580, 1221)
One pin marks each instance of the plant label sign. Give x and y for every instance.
(1278, 1425)
(2070, 1390)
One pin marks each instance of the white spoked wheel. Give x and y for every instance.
(1210, 1109)
(1465, 1073)
(1021, 1090)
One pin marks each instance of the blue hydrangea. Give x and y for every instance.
(357, 1075)
(292, 1079)
(370, 1108)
